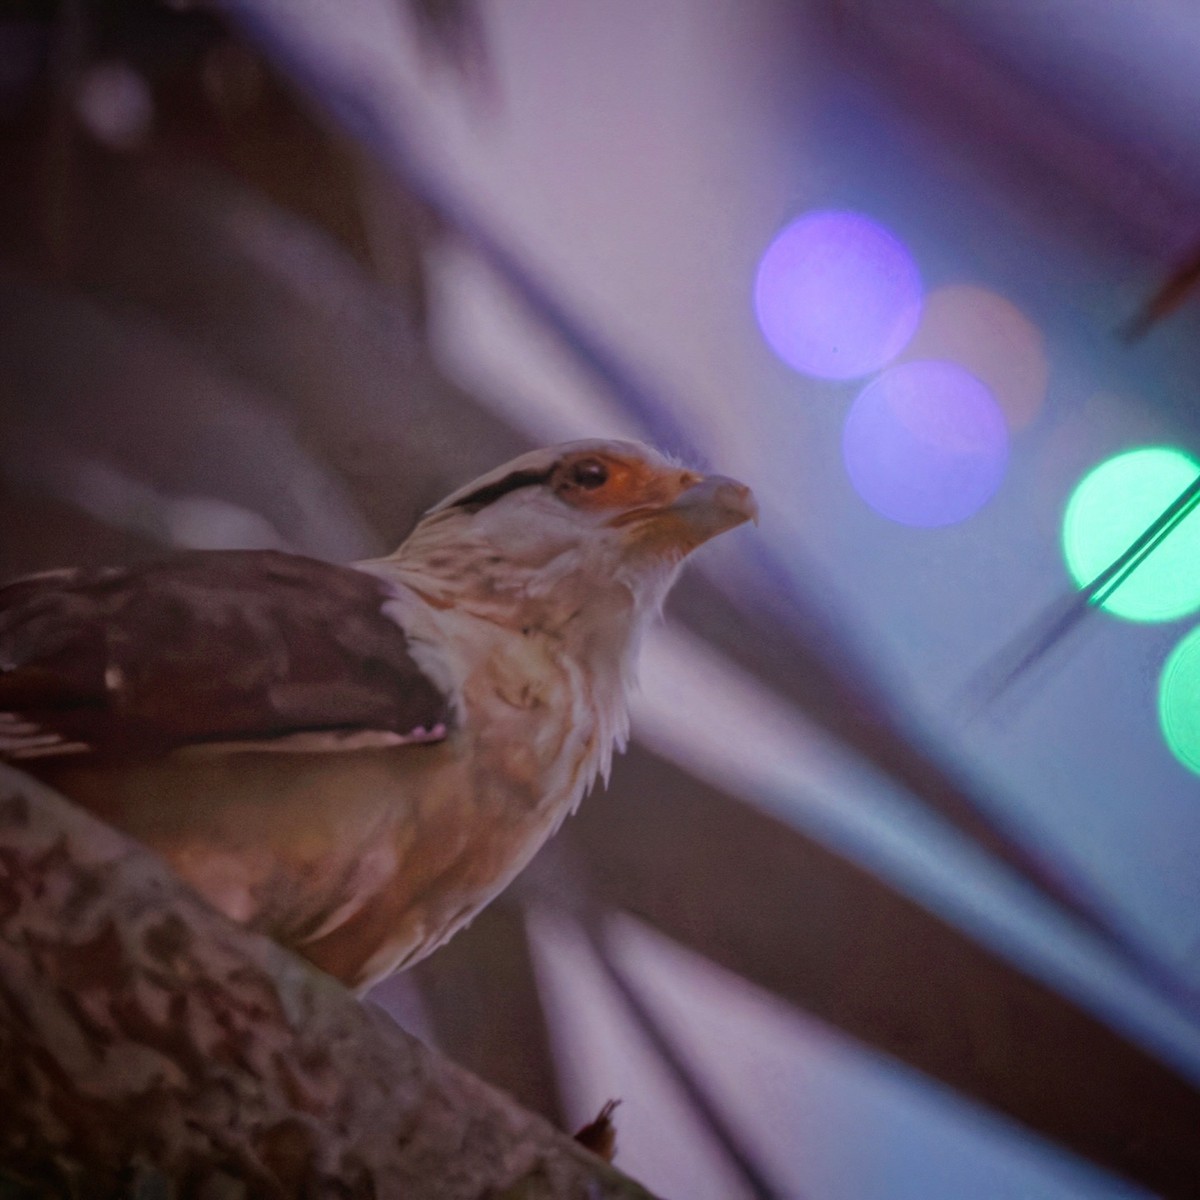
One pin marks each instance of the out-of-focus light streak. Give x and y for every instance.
(993, 339)
(925, 444)
(1179, 701)
(600, 1052)
(837, 295)
(1111, 507)
(698, 709)
(916, 1139)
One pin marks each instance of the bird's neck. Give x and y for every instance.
(542, 672)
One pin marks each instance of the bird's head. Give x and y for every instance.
(590, 532)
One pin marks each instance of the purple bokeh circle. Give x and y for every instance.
(837, 295)
(925, 444)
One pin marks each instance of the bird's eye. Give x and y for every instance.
(589, 474)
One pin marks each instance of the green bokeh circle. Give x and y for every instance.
(1111, 507)
(1179, 701)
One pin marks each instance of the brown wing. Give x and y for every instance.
(212, 646)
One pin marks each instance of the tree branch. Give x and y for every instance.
(149, 1046)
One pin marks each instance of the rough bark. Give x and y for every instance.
(149, 1047)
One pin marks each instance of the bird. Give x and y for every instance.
(355, 759)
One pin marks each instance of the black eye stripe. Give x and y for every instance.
(491, 492)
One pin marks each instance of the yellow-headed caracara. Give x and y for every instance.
(355, 760)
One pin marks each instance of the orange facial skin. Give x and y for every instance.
(628, 485)
(668, 510)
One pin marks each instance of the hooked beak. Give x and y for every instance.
(713, 505)
(701, 511)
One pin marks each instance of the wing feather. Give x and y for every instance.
(207, 647)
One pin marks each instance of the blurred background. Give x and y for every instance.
(896, 893)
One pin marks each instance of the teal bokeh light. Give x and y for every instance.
(1111, 508)
(1179, 701)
